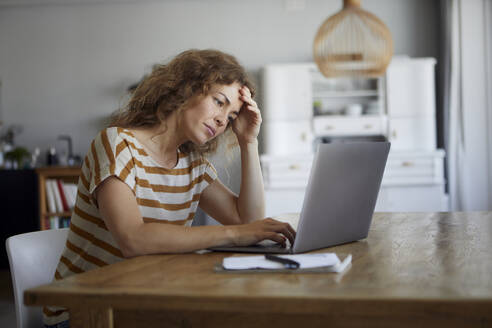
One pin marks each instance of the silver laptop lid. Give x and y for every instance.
(341, 194)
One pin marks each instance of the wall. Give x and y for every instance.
(65, 67)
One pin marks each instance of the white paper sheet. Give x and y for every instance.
(306, 261)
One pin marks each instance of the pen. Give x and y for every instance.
(289, 264)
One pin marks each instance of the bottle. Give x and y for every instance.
(34, 157)
(52, 158)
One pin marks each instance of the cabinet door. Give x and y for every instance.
(287, 137)
(412, 133)
(410, 85)
(287, 93)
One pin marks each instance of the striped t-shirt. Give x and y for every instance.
(163, 195)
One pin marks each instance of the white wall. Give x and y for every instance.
(65, 67)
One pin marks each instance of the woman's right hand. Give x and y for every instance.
(252, 233)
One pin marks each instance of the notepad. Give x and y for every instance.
(317, 262)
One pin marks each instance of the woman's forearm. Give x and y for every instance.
(158, 238)
(251, 201)
(155, 238)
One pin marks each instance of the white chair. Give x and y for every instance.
(33, 258)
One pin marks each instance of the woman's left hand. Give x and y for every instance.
(247, 125)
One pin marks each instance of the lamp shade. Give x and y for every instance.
(353, 42)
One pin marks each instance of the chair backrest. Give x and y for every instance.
(33, 258)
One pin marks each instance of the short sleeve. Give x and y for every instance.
(110, 155)
(210, 171)
(207, 172)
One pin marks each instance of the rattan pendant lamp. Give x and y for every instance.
(353, 42)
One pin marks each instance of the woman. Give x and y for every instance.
(144, 176)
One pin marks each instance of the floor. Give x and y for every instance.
(7, 307)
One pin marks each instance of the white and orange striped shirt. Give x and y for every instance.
(163, 195)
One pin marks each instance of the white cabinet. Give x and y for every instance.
(391, 198)
(411, 104)
(301, 107)
(413, 181)
(287, 100)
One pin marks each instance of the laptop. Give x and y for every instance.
(340, 198)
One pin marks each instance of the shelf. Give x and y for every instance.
(66, 173)
(63, 214)
(58, 171)
(345, 94)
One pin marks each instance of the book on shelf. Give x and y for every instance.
(59, 185)
(56, 194)
(54, 222)
(65, 222)
(50, 198)
(57, 222)
(68, 195)
(70, 190)
(60, 196)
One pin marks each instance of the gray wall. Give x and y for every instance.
(65, 67)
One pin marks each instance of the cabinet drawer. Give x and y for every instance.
(414, 168)
(285, 172)
(417, 198)
(342, 126)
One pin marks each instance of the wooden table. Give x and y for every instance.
(414, 270)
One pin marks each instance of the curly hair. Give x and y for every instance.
(178, 85)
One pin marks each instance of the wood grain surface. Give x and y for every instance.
(425, 269)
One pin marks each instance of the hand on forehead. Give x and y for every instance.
(231, 94)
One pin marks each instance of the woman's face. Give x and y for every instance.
(210, 115)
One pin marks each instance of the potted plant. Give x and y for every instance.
(17, 156)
